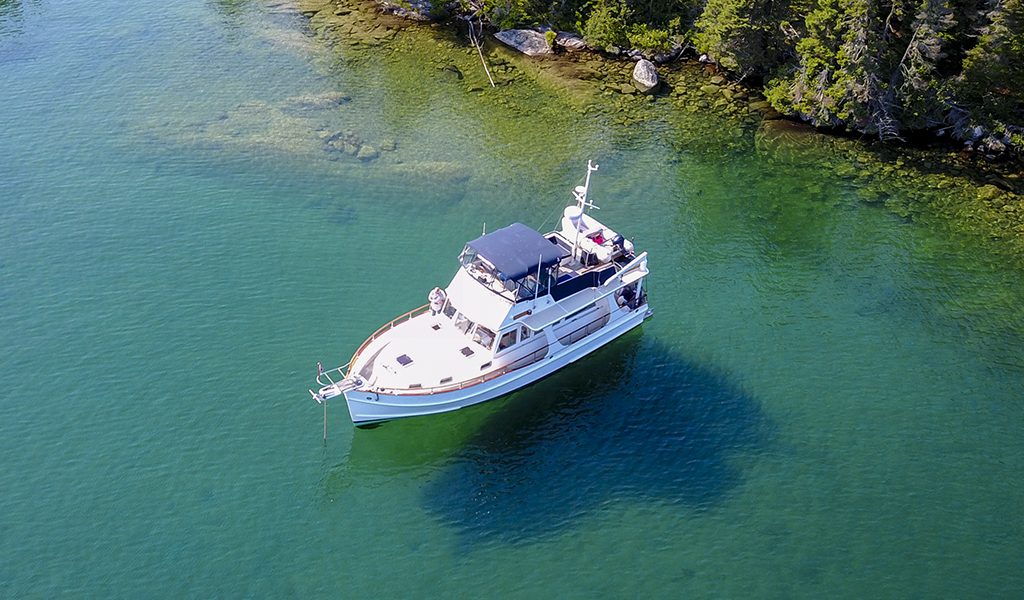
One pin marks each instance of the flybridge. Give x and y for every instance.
(515, 259)
(516, 250)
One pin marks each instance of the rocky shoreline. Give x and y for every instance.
(958, 188)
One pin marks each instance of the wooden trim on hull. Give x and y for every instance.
(587, 329)
(442, 405)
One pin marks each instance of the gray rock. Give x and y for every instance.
(570, 41)
(645, 76)
(527, 41)
(994, 144)
(367, 153)
(414, 10)
(667, 57)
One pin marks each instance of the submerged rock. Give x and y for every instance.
(367, 153)
(527, 41)
(414, 10)
(454, 70)
(791, 142)
(645, 76)
(316, 101)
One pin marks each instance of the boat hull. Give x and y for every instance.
(367, 407)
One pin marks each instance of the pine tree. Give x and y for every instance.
(991, 87)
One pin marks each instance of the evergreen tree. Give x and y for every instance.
(991, 87)
(751, 37)
(916, 81)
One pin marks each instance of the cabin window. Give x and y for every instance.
(449, 309)
(483, 336)
(467, 257)
(524, 332)
(507, 340)
(462, 323)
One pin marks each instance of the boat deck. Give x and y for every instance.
(425, 351)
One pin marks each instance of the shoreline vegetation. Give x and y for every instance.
(895, 69)
(958, 190)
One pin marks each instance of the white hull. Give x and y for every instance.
(366, 407)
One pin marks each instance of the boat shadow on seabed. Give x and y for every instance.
(633, 420)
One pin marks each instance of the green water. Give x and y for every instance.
(828, 402)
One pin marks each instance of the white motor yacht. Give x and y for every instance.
(521, 306)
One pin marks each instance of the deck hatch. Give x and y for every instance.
(467, 352)
(404, 360)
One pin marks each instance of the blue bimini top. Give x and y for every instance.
(516, 250)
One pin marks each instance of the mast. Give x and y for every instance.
(580, 193)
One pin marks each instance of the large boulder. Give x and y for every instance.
(527, 41)
(645, 76)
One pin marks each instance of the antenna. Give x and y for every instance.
(580, 193)
(485, 229)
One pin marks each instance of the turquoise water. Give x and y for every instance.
(828, 401)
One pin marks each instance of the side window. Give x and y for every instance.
(463, 324)
(483, 336)
(449, 309)
(507, 340)
(524, 332)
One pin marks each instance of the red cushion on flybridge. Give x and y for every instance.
(598, 239)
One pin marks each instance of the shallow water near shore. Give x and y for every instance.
(828, 401)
